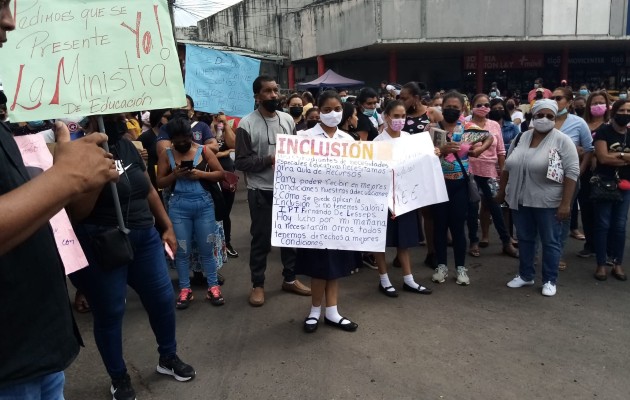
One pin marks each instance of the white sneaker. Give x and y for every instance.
(441, 273)
(462, 276)
(549, 289)
(519, 282)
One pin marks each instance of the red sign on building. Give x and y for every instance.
(506, 61)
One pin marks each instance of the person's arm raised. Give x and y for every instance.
(80, 167)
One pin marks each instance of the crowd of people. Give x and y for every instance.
(526, 169)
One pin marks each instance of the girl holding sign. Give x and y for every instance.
(326, 266)
(402, 231)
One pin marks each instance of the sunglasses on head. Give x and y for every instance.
(559, 98)
(550, 117)
(487, 105)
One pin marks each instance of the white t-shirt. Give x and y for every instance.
(384, 136)
(317, 131)
(518, 115)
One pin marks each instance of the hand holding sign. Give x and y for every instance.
(85, 162)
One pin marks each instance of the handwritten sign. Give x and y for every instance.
(417, 180)
(37, 157)
(219, 81)
(330, 194)
(74, 57)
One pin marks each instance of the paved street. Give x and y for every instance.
(484, 341)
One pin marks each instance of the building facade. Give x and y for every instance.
(445, 43)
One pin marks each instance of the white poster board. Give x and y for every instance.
(330, 194)
(417, 180)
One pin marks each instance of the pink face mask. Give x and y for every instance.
(397, 124)
(598, 110)
(481, 111)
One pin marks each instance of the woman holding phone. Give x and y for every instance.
(183, 168)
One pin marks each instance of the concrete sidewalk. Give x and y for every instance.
(484, 341)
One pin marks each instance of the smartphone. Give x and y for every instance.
(169, 251)
(186, 164)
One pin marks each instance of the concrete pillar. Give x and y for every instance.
(480, 71)
(321, 65)
(291, 73)
(393, 66)
(564, 66)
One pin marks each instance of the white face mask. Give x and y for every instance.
(543, 125)
(332, 119)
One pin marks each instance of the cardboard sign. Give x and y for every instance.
(78, 58)
(330, 194)
(36, 156)
(219, 81)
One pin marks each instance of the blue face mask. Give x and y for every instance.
(562, 112)
(493, 94)
(369, 113)
(35, 124)
(623, 96)
(583, 92)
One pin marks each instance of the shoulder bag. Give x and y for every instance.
(112, 248)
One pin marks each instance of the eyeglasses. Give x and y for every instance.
(550, 117)
(487, 105)
(559, 98)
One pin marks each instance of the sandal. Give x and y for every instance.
(578, 235)
(510, 250)
(80, 303)
(474, 251)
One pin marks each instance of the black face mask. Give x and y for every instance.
(271, 106)
(115, 130)
(510, 106)
(411, 110)
(622, 119)
(296, 111)
(451, 115)
(579, 111)
(311, 123)
(495, 115)
(182, 147)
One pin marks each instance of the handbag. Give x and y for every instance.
(473, 189)
(230, 183)
(604, 189)
(112, 248)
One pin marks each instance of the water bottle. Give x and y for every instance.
(458, 132)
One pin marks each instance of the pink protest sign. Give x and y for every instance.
(37, 158)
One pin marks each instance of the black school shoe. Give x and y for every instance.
(310, 328)
(121, 389)
(351, 327)
(173, 366)
(386, 291)
(420, 290)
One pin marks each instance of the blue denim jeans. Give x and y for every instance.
(531, 223)
(106, 292)
(47, 387)
(609, 236)
(192, 214)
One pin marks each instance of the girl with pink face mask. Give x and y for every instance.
(484, 168)
(403, 230)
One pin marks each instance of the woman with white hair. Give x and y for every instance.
(538, 183)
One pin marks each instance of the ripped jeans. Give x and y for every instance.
(193, 214)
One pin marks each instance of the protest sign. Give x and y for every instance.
(330, 194)
(37, 158)
(73, 57)
(417, 180)
(220, 81)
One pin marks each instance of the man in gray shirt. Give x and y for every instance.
(255, 156)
